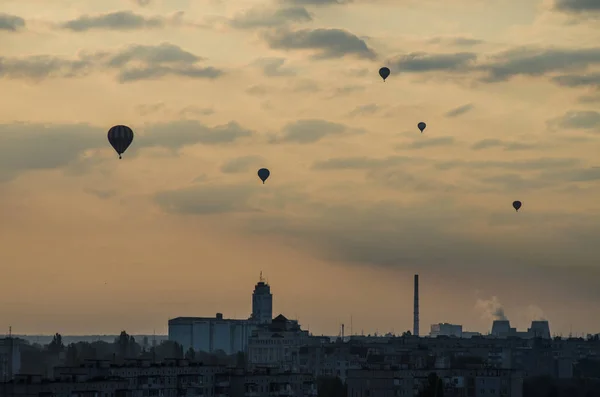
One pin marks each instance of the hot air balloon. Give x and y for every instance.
(120, 137)
(263, 174)
(422, 126)
(517, 205)
(384, 73)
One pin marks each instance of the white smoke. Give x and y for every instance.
(491, 309)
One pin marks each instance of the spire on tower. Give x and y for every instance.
(261, 277)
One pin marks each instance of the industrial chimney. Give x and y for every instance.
(416, 309)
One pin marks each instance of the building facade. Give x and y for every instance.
(262, 302)
(211, 334)
(277, 344)
(10, 358)
(445, 329)
(456, 382)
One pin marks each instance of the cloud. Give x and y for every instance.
(317, 2)
(365, 110)
(142, 3)
(26, 147)
(555, 166)
(103, 194)
(491, 309)
(428, 142)
(577, 6)
(516, 182)
(348, 89)
(505, 65)
(207, 199)
(583, 120)
(263, 17)
(273, 67)
(459, 110)
(241, 164)
(133, 63)
(443, 238)
(306, 86)
(155, 108)
(456, 41)
(39, 67)
(329, 43)
(534, 164)
(312, 130)
(119, 20)
(529, 61)
(11, 23)
(150, 108)
(159, 61)
(497, 143)
(257, 90)
(196, 111)
(570, 80)
(363, 163)
(401, 178)
(419, 62)
(177, 134)
(542, 179)
(589, 99)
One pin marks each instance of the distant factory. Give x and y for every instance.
(210, 334)
(539, 329)
(500, 329)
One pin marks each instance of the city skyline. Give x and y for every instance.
(358, 200)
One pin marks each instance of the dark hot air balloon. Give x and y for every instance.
(120, 137)
(517, 205)
(384, 73)
(421, 126)
(263, 174)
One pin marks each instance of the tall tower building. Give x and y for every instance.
(262, 302)
(416, 308)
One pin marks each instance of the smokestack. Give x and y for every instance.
(416, 310)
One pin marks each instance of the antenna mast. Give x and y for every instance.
(154, 346)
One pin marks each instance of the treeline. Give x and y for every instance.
(41, 359)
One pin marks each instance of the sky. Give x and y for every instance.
(358, 200)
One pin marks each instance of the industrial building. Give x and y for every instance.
(210, 334)
(10, 357)
(445, 329)
(538, 329)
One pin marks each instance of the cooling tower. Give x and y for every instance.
(540, 329)
(501, 328)
(416, 309)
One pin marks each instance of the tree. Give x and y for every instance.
(56, 346)
(190, 354)
(126, 346)
(168, 349)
